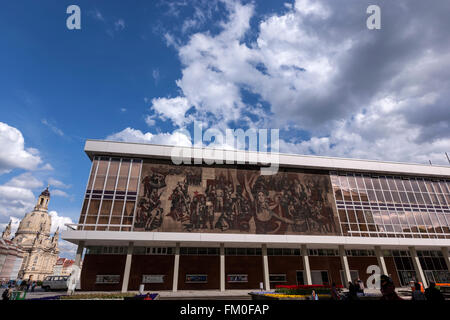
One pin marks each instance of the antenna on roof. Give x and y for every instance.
(448, 159)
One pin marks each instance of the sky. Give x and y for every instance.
(144, 71)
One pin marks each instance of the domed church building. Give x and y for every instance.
(33, 237)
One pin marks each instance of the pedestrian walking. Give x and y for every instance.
(388, 289)
(334, 292)
(417, 294)
(314, 296)
(433, 294)
(360, 286)
(33, 285)
(352, 291)
(6, 295)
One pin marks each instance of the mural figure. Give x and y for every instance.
(204, 199)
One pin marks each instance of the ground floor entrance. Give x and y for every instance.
(196, 268)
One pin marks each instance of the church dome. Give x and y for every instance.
(37, 220)
(34, 222)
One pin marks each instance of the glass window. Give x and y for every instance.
(101, 174)
(123, 175)
(112, 175)
(93, 207)
(399, 184)
(135, 169)
(415, 185)
(129, 209)
(376, 183)
(92, 175)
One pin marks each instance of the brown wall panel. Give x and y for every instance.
(250, 265)
(285, 265)
(101, 264)
(151, 264)
(392, 270)
(331, 264)
(360, 264)
(209, 265)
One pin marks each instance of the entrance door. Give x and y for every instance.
(300, 279)
(353, 273)
(319, 277)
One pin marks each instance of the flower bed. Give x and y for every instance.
(304, 289)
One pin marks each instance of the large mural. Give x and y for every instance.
(211, 199)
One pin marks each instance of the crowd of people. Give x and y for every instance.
(19, 285)
(356, 290)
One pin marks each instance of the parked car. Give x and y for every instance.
(55, 283)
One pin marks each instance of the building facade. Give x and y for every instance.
(11, 258)
(63, 267)
(226, 226)
(33, 237)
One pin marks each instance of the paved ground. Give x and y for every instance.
(194, 295)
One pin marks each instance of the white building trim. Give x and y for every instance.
(126, 149)
(98, 238)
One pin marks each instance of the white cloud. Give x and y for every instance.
(47, 167)
(173, 109)
(14, 225)
(67, 249)
(55, 129)
(56, 183)
(59, 193)
(357, 93)
(24, 180)
(15, 201)
(155, 75)
(119, 24)
(58, 221)
(14, 154)
(132, 135)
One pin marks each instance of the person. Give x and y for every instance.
(7, 293)
(33, 285)
(147, 296)
(388, 289)
(334, 292)
(19, 283)
(417, 294)
(28, 284)
(433, 294)
(314, 296)
(360, 286)
(352, 291)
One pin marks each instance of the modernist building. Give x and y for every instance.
(225, 226)
(40, 250)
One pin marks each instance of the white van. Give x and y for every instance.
(55, 283)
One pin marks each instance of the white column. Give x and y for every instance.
(176, 267)
(446, 257)
(306, 268)
(265, 268)
(222, 267)
(417, 267)
(380, 259)
(79, 253)
(126, 272)
(345, 267)
(76, 271)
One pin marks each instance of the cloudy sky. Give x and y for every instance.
(141, 73)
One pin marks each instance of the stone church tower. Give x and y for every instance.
(33, 237)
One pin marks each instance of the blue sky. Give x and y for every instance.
(138, 71)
